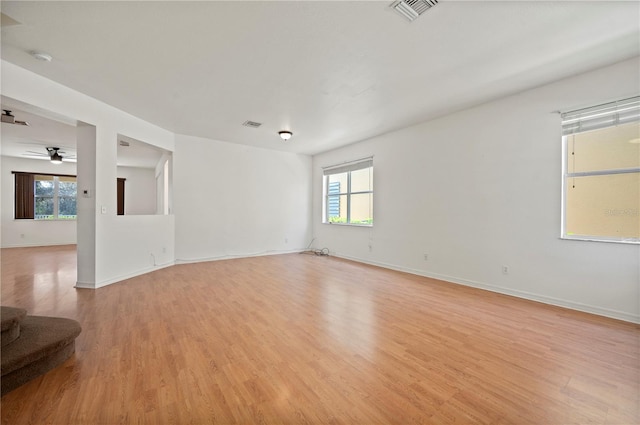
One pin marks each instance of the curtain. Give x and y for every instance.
(24, 202)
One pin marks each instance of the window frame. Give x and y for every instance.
(53, 196)
(607, 115)
(25, 196)
(345, 168)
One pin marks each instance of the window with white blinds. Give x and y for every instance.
(601, 172)
(348, 193)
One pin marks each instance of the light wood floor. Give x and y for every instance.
(308, 339)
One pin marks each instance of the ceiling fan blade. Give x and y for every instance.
(30, 155)
(37, 153)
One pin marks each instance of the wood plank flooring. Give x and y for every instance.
(305, 339)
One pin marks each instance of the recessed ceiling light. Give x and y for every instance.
(635, 141)
(285, 135)
(41, 56)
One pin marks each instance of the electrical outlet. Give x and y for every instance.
(286, 240)
(505, 269)
(426, 257)
(370, 247)
(164, 250)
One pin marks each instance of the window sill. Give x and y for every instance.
(627, 241)
(44, 221)
(348, 224)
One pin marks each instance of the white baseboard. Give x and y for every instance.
(35, 245)
(614, 314)
(236, 256)
(87, 285)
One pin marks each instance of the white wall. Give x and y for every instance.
(86, 149)
(232, 200)
(480, 189)
(164, 184)
(139, 190)
(123, 245)
(475, 190)
(16, 233)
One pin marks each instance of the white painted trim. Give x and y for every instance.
(35, 245)
(614, 314)
(85, 285)
(233, 257)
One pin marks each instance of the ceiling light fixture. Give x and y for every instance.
(41, 56)
(9, 118)
(56, 158)
(285, 135)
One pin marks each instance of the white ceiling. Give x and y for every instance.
(47, 129)
(32, 141)
(332, 72)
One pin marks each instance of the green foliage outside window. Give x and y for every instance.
(55, 198)
(343, 220)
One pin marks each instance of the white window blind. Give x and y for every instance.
(348, 166)
(601, 116)
(601, 177)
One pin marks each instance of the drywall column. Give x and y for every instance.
(86, 205)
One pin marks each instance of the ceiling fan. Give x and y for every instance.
(54, 153)
(9, 118)
(56, 158)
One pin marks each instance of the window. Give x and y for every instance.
(601, 167)
(45, 196)
(348, 193)
(55, 197)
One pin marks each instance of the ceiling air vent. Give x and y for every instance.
(411, 9)
(252, 124)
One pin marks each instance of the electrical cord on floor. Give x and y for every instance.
(320, 252)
